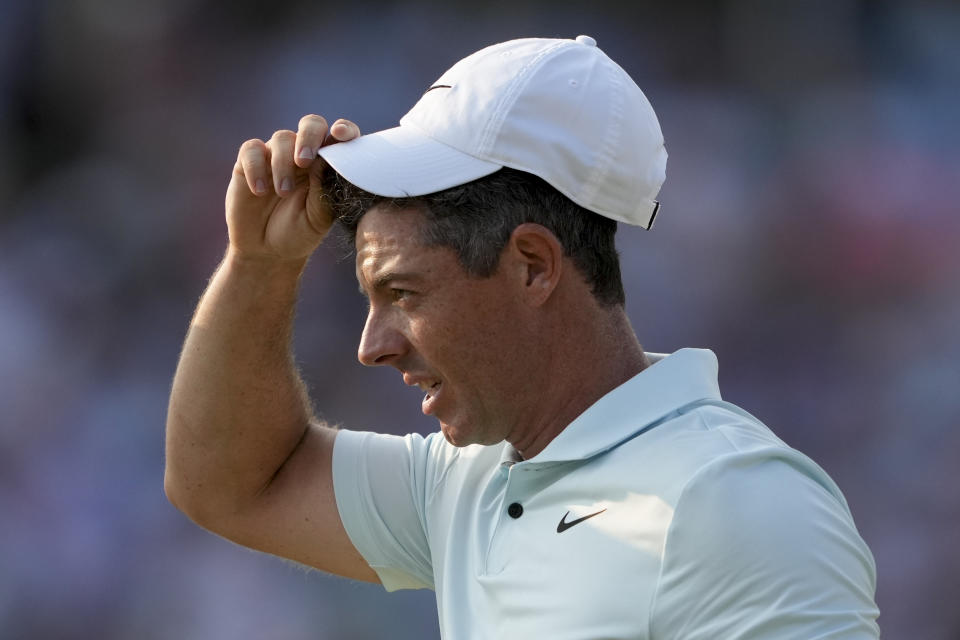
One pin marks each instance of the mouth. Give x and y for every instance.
(430, 397)
(430, 387)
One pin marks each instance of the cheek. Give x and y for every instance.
(476, 333)
(490, 352)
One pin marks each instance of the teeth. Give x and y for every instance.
(425, 385)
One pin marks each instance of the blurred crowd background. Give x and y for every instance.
(809, 235)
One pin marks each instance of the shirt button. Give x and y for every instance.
(515, 510)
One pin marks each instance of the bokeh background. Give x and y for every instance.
(809, 235)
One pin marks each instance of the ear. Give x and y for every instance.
(538, 257)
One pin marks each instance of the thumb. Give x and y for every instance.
(323, 178)
(320, 213)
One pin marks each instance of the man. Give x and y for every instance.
(578, 487)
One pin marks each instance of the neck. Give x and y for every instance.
(579, 372)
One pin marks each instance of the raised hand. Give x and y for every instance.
(275, 207)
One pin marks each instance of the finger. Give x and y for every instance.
(344, 130)
(281, 161)
(341, 131)
(252, 163)
(310, 134)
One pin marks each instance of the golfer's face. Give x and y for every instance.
(451, 334)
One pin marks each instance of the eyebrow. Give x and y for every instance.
(384, 279)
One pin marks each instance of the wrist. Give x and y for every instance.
(264, 266)
(259, 280)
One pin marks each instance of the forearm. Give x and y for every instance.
(237, 407)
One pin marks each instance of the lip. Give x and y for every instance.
(424, 382)
(430, 386)
(428, 405)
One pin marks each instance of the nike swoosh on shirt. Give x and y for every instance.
(564, 525)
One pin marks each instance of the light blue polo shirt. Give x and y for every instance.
(660, 512)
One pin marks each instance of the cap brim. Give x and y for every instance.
(403, 162)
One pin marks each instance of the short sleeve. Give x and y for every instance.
(381, 485)
(760, 548)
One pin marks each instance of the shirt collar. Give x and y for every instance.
(668, 384)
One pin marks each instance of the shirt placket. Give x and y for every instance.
(511, 514)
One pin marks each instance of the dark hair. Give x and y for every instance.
(476, 219)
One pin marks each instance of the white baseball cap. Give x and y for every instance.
(559, 109)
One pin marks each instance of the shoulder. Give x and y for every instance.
(753, 494)
(772, 495)
(761, 538)
(668, 456)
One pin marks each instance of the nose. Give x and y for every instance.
(380, 342)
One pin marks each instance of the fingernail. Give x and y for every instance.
(306, 153)
(260, 186)
(286, 184)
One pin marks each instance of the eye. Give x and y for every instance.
(399, 295)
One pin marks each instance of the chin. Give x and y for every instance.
(456, 436)
(452, 435)
(462, 437)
